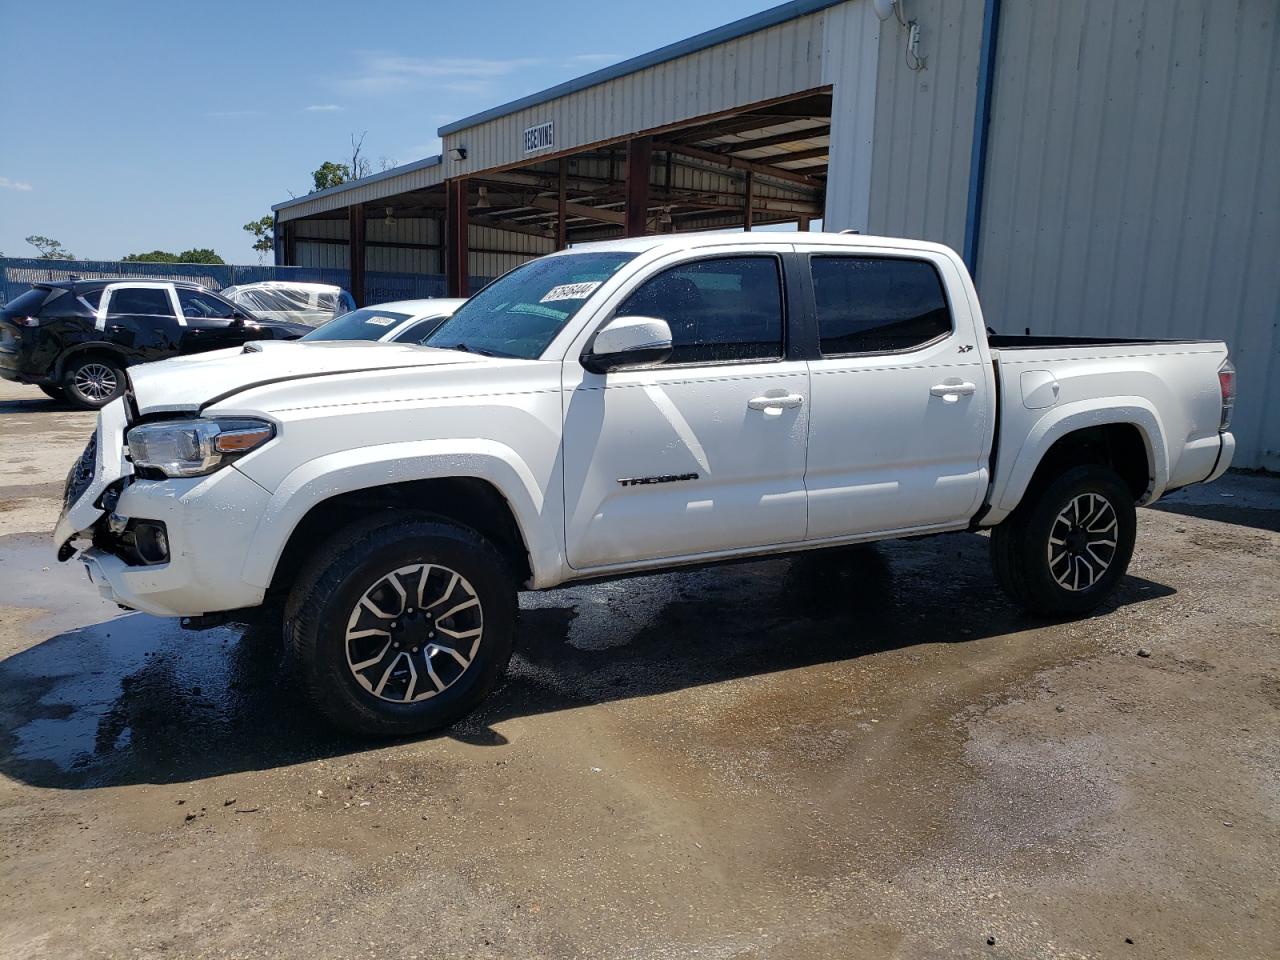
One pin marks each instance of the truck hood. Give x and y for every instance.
(186, 384)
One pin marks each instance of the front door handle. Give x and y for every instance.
(952, 390)
(785, 402)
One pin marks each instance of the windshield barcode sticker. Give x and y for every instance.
(381, 321)
(571, 291)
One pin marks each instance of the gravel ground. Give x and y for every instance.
(862, 754)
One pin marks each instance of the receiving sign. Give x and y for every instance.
(541, 137)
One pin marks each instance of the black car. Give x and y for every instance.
(73, 338)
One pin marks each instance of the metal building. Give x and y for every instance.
(1108, 168)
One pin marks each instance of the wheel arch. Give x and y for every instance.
(1126, 435)
(495, 495)
(94, 348)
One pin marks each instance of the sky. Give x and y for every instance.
(136, 126)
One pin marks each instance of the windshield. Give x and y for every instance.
(367, 323)
(520, 313)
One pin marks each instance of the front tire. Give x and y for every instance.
(1062, 553)
(94, 381)
(402, 624)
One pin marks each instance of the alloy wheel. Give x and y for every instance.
(95, 381)
(414, 633)
(1082, 541)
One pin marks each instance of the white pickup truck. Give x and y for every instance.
(621, 407)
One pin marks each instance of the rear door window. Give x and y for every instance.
(197, 305)
(721, 310)
(141, 301)
(877, 304)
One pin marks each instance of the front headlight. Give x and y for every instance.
(192, 448)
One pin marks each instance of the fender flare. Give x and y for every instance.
(92, 346)
(365, 468)
(1059, 421)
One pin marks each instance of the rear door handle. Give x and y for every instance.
(951, 391)
(786, 401)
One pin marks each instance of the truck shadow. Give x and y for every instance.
(1243, 498)
(136, 700)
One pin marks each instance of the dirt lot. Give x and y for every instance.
(868, 754)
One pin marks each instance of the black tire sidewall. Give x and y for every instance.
(76, 397)
(356, 569)
(1039, 521)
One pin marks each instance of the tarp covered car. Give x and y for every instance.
(309, 303)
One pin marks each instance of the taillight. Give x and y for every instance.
(1227, 382)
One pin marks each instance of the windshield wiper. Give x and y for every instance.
(479, 351)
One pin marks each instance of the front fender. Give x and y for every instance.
(1057, 422)
(364, 468)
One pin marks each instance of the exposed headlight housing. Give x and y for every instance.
(193, 448)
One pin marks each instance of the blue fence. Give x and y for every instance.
(17, 274)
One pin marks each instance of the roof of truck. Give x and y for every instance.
(693, 241)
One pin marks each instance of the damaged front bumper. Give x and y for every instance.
(208, 524)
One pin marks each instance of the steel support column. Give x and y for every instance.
(639, 160)
(457, 277)
(562, 233)
(355, 217)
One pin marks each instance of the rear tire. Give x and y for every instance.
(93, 381)
(1062, 553)
(401, 624)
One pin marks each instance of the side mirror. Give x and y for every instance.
(628, 342)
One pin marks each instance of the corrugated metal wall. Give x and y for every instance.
(484, 260)
(851, 40)
(333, 255)
(924, 123)
(1133, 182)
(493, 253)
(770, 63)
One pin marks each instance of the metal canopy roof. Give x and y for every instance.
(710, 38)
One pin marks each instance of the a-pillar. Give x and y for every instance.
(456, 276)
(356, 248)
(639, 160)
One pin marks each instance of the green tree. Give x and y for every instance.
(264, 237)
(49, 249)
(155, 256)
(199, 255)
(330, 174)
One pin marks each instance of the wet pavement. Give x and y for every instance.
(861, 753)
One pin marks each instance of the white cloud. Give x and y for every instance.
(379, 72)
(7, 184)
(594, 59)
(322, 108)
